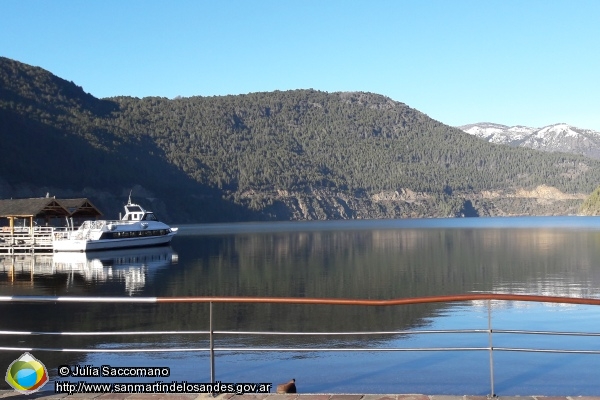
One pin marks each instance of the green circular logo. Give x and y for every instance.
(26, 374)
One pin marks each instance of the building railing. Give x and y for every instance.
(212, 332)
(25, 239)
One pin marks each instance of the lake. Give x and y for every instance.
(375, 259)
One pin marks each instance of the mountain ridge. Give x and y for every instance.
(284, 155)
(559, 137)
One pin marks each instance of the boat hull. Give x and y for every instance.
(107, 244)
(138, 228)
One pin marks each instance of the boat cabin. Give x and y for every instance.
(134, 212)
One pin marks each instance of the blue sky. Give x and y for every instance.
(512, 62)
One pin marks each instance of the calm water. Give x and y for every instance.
(339, 259)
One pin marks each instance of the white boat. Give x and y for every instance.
(137, 228)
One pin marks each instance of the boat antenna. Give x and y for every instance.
(129, 201)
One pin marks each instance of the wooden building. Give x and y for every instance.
(26, 223)
(80, 209)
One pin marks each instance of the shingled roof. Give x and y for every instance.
(47, 207)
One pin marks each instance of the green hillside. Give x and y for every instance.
(591, 205)
(278, 155)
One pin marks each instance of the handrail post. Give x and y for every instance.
(212, 344)
(489, 307)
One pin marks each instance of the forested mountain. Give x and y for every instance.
(299, 154)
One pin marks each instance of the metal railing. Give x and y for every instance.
(212, 332)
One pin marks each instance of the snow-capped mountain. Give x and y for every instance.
(557, 137)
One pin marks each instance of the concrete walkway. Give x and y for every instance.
(12, 395)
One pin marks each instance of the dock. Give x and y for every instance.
(30, 224)
(26, 240)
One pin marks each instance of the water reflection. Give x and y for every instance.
(392, 263)
(134, 268)
(360, 259)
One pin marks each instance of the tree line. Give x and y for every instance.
(222, 146)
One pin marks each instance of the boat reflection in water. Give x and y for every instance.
(131, 266)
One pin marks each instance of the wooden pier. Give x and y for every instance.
(26, 240)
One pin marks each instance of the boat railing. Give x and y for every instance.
(81, 233)
(93, 224)
(122, 222)
(61, 233)
(213, 333)
(99, 224)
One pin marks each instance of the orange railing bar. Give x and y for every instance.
(391, 302)
(307, 300)
(211, 300)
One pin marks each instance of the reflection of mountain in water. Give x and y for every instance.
(360, 264)
(382, 264)
(133, 267)
(389, 263)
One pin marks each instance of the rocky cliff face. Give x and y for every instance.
(404, 203)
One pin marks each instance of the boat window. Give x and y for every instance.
(150, 217)
(133, 209)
